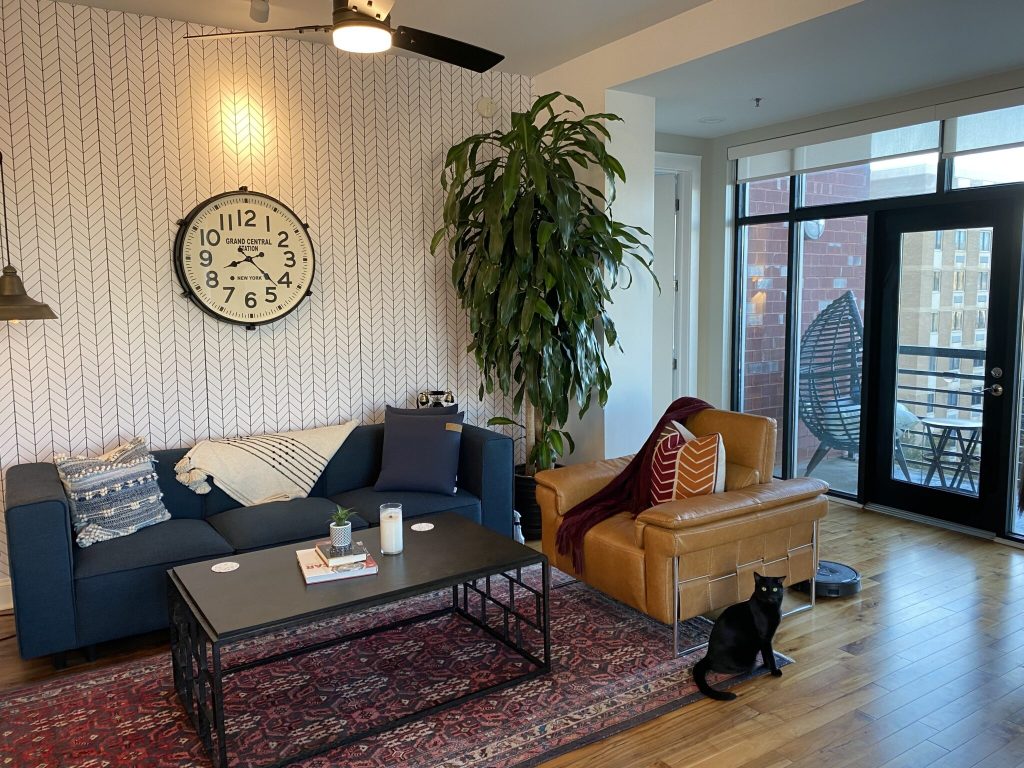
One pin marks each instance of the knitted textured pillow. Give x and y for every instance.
(112, 495)
(684, 465)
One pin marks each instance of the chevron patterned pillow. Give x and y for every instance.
(684, 465)
(112, 495)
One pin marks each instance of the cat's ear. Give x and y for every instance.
(757, 577)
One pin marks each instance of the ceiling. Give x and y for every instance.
(534, 35)
(874, 50)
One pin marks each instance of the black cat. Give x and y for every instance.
(739, 633)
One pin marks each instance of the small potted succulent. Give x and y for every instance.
(341, 527)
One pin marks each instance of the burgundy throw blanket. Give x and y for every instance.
(630, 491)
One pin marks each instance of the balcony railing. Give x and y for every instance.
(942, 400)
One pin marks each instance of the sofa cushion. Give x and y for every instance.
(179, 499)
(355, 465)
(121, 584)
(421, 452)
(217, 501)
(164, 544)
(277, 522)
(366, 502)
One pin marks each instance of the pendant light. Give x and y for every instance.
(15, 304)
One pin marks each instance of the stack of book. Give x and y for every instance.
(327, 563)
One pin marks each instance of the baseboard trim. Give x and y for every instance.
(6, 595)
(1010, 542)
(845, 502)
(966, 529)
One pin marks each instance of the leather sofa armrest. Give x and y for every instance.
(40, 551)
(717, 507)
(485, 470)
(572, 484)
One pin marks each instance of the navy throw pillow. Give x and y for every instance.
(444, 410)
(421, 451)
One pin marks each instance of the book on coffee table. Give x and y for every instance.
(331, 555)
(314, 570)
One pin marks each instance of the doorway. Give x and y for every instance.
(943, 351)
(675, 238)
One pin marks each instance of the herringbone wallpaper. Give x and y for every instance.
(113, 127)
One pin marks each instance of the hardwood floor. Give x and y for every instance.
(925, 667)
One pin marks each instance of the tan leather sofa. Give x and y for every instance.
(687, 557)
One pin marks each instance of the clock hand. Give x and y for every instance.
(236, 262)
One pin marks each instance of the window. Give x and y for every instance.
(933, 363)
(982, 321)
(936, 282)
(954, 363)
(826, 287)
(938, 240)
(951, 399)
(958, 320)
(985, 241)
(959, 280)
(935, 322)
(983, 281)
(764, 250)
(766, 196)
(960, 239)
(985, 147)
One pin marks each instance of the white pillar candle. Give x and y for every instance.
(390, 529)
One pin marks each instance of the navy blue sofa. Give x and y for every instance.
(68, 597)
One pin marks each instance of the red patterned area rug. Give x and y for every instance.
(612, 668)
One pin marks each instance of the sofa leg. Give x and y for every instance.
(60, 660)
(676, 650)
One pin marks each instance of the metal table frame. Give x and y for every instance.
(199, 672)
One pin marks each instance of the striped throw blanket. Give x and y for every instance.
(263, 468)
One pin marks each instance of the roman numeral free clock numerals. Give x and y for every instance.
(244, 257)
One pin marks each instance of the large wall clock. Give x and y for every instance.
(244, 257)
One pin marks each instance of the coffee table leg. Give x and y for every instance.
(546, 586)
(217, 703)
(198, 679)
(181, 653)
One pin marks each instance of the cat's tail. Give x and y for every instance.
(700, 669)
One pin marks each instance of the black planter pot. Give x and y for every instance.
(526, 503)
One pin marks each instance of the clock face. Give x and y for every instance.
(244, 257)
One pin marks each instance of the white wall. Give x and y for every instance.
(113, 127)
(629, 415)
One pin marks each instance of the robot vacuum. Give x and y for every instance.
(833, 580)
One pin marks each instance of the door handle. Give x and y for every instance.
(996, 390)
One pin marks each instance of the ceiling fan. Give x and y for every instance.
(361, 26)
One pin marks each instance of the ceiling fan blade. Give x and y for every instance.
(300, 30)
(445, 49)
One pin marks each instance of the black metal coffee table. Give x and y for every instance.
(267, 594)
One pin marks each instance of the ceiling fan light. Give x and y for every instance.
(361, 36)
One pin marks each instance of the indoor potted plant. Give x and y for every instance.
(535, 253)
(341, 527)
